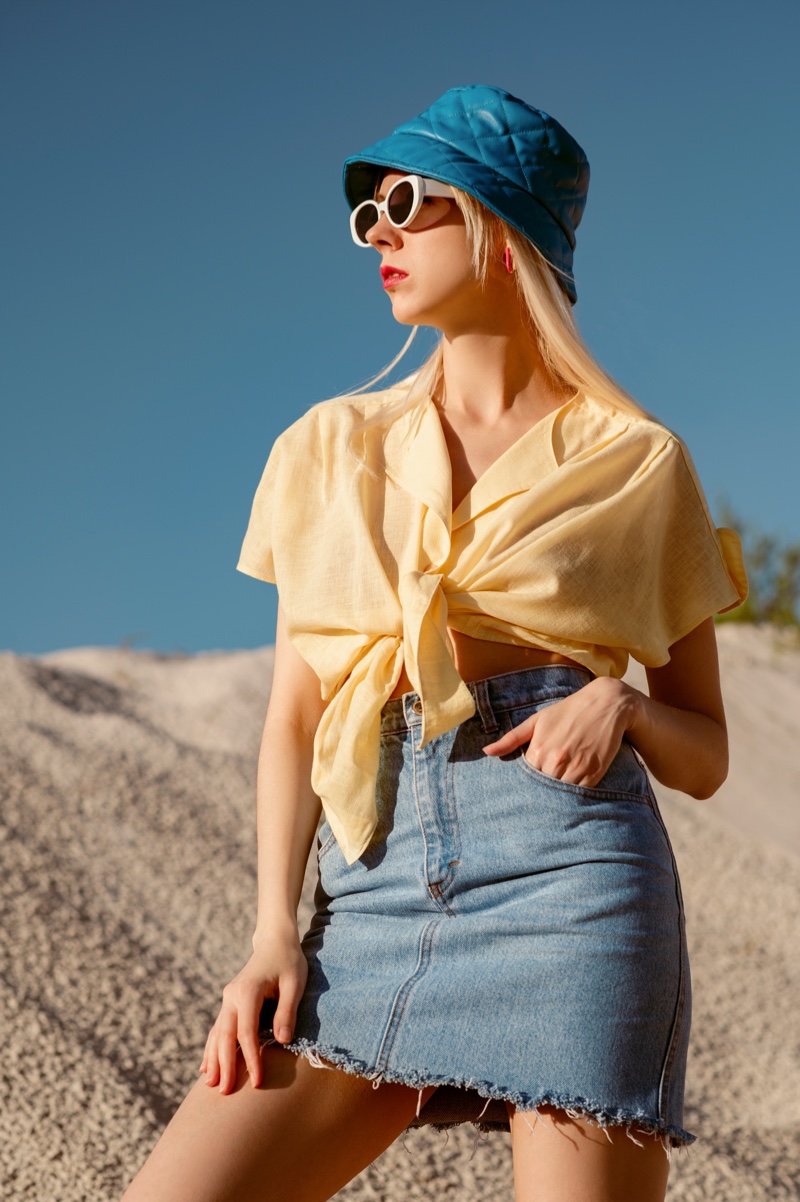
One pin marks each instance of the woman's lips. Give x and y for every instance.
(392, 275)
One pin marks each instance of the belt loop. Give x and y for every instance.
(484, 706)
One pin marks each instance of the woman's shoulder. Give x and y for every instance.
(597, 424)
(336, 418)
(634, 451)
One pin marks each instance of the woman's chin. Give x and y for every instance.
(405, 315)
(408, 314)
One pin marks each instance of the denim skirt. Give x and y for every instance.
(506, 936)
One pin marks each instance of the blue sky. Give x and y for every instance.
(178, 282)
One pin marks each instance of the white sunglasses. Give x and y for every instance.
(401, 204)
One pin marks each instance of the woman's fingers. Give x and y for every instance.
(211, 1059)
(278, 967)
(249, 1013)
(568, 740)
(235, 1028)
(512, 738)
(291, 990)
(578, 736)
(204, 1061)
(564, 756)
(227, 1047)
(245, 1036)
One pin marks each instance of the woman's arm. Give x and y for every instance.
(679, 730)
(287, 815)
(287, 808)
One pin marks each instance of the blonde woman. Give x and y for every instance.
(465, 563)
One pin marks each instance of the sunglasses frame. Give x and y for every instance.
(421, 187)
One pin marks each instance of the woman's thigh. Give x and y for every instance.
(560, 1159)
(303, 1135)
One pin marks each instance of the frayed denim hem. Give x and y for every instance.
(576, 1107)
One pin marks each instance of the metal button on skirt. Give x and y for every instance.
(506, 936)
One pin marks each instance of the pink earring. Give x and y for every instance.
(507, 260)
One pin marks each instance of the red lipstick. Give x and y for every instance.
(392, 275)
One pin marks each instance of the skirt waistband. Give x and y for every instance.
(495, 694)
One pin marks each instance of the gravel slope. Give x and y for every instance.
(127, 890)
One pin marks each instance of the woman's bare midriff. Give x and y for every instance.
(476, 659)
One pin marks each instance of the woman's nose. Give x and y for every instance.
(383, 233)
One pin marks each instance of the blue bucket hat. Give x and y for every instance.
(515, 159)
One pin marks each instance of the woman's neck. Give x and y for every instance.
(489, 373)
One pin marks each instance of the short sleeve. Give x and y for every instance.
(698, 569)
(256, 556)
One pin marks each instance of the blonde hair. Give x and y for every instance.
(550, 317)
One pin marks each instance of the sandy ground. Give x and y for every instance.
(127, 886)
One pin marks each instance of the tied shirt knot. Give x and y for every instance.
(446, 700)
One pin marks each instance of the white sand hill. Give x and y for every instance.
(128, 882)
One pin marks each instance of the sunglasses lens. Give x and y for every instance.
(400, 202)
(365, 219)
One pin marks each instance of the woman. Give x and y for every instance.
(465, 563)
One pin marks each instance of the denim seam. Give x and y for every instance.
(484, 709)
(444, 884)
(496, 711)
(544, 668)
(450, 794)
(525, 703)
(438, 901)
(526, 767)
(434, 896)
(326, 846)
(665, 1083)
(650, 798)
(403, 994)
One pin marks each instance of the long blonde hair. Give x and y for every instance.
(550, 318)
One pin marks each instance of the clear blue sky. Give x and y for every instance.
(178, 282)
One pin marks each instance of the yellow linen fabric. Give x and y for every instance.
(590, 536)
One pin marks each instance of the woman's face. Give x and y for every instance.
(433, 282)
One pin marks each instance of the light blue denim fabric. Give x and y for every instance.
(505, 933)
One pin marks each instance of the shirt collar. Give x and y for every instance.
(417, 459)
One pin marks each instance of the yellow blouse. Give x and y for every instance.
(590, 536)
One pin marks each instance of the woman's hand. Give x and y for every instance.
(575, 739)
(277, 969)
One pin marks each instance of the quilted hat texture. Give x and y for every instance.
(515, 159)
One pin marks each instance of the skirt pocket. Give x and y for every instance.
(626, 778)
